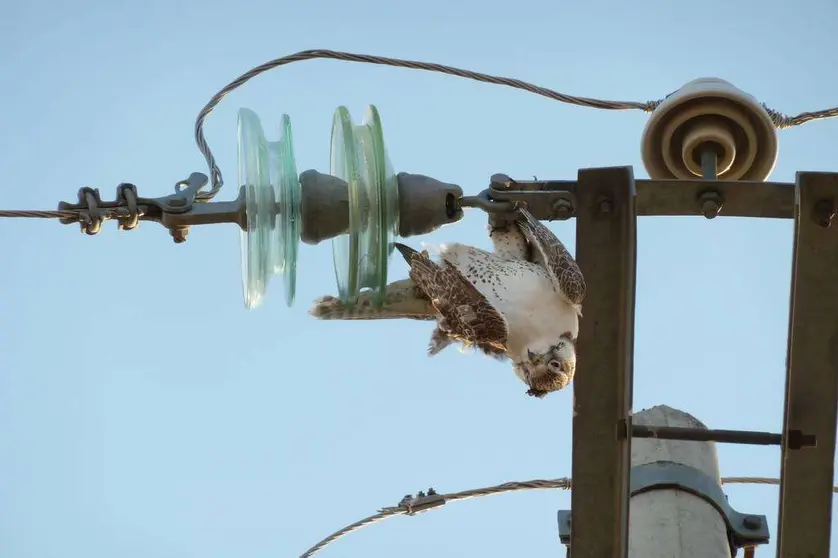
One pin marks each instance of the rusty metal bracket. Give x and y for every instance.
(550, 200)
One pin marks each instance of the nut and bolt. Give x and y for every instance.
(500, 181)
(711, 204)
(562, 209)
(752, 522)
(179, 234)
(824, 213)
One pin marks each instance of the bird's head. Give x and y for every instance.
(549, 370)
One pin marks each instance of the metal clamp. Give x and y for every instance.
(412, 505)
(743, 529)
(177, 211)
(484, 201)
(546, 199)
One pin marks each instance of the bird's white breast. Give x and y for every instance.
(521, 291)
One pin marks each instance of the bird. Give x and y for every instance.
(521, 301)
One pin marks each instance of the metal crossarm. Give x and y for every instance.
(605, 250)
(811, 398)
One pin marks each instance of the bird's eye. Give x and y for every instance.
(554, 364)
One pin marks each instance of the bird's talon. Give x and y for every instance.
(497, 224)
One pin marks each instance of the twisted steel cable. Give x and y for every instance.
(537, 484)
(216, 180)
(36, 214)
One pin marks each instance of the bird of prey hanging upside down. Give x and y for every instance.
(521, 301)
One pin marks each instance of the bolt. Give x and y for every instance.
(500, 181)
(824, 212)
(711, 203)
(179, 234)
(605, 207)
(795, 440)
(752, 522)
(431, 492)
(710, 208)
(562, 209)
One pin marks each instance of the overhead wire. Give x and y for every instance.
(37, 214)
(537, 484)
(779, 119)
(216, 180)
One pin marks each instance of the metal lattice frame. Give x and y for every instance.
(606, 203)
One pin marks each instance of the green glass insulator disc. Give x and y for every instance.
(285, 172)
(359, 157)
(272, 197)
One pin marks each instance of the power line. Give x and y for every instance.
(408, 505)
(779, 119)
(216, 180)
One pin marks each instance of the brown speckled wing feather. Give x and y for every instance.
(466, 314)
(563, 270)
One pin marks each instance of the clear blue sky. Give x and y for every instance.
(145, 413)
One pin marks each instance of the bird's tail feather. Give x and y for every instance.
(401, 300)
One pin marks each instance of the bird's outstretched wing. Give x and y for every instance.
(564, 272)
(466, 315)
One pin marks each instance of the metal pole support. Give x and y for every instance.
(811, 400)
(606, 252)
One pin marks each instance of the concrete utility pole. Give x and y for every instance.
(672, 523)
